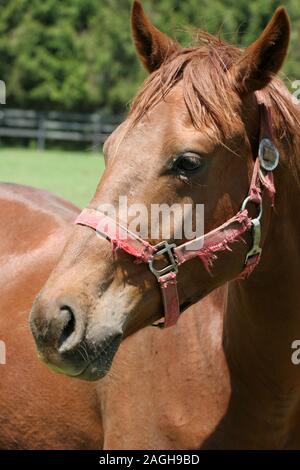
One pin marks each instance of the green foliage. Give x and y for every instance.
(78, 54)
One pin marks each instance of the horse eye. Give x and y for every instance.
(188, 163)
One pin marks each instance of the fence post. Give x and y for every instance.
(41, 131)
(97, 122)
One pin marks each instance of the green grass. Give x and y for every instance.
(72, 175)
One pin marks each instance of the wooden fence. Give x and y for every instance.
(56, 126)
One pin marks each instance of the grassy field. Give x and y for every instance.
(72, 175)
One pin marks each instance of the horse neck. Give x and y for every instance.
(262, 316)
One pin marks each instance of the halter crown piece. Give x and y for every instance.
(213, 242)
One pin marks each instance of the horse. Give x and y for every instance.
(193, 135)
(39, 410)
(61, 414)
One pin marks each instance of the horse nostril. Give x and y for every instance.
(69, 325)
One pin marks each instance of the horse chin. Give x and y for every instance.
(93, 373)
(95, 370)
(92, 368)
(99, 367)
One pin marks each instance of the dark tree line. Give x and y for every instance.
(78, 54)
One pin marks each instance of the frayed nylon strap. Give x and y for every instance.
(216, 241)
(117, 234)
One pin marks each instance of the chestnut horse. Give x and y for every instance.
(61, 414)
(192, 136)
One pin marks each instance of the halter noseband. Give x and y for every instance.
(213, 242)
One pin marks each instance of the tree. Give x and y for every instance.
(78, 54)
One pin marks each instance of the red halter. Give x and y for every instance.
(216, 241)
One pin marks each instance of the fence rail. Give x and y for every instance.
(59, 126)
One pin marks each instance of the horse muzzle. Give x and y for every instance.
(68, 345)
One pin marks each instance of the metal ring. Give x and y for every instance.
(268, 149)
(246, 202)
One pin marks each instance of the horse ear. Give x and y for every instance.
(153, 46)
(265, 57)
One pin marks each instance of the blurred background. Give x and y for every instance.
(70, 71)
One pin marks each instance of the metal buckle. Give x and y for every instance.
(268, 155)
(256, 250)
(164, 248)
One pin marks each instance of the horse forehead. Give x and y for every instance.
(165, 122)
(171, 105)
(170, 113)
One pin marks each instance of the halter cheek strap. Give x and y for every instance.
(211, 243)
